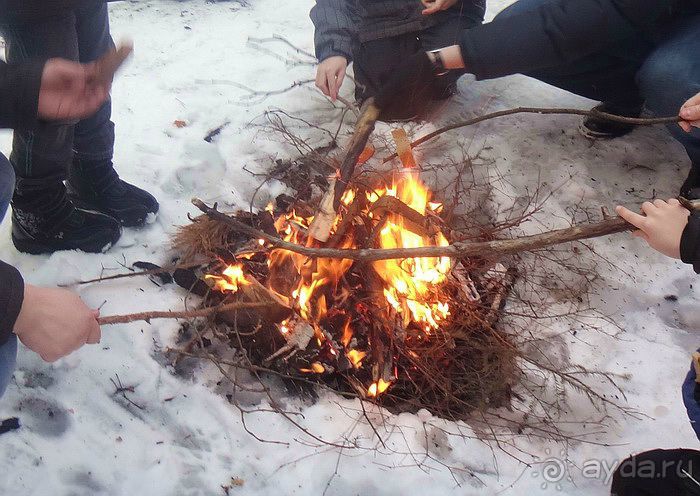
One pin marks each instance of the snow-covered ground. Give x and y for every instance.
(78, 438)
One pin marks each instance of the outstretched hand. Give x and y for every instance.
(690, 113)
(70, 90)
(55, 322)
(65, 92)
(662, 227)
(433, 6)
(410, 85)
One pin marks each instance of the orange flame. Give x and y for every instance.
(411, 282)
(378, 388)
(233, 277)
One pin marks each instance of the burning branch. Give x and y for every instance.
(188, 314)
(483, 249)
(634, 121)
(330, 203)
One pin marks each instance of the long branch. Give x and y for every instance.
(633, 121)
(485, 249)
(188, 314)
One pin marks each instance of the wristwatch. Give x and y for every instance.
(438, 64)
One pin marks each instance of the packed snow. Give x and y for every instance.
(179, 435)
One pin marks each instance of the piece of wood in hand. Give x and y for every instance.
(106, 66)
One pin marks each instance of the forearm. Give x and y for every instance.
(11, 299)
(334, 22)
(555, 33)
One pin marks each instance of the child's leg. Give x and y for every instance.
(94, 135)
(40, 157)
(8, 351)
(669, 77)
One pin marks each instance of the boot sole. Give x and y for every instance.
(85, 205)
(34, 247)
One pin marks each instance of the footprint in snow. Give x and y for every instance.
(43, 417)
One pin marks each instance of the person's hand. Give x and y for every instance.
(330, 74)
(690, 113)
(55, 322)
(662, 227)
(409, 86)
(67, 93)
(433, 6)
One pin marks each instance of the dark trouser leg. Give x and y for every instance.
(41, 157)
(658, 472)
(671, 75)
(607, 76)
(94, 135)
(8, 351)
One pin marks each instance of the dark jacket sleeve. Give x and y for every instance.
(690, 242)
(19, 94)
(335, 22)
(691, 398)
(554, 33)
(11, 298)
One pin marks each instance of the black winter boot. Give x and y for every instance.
(594, 128)
(44, 220)
(95, 185)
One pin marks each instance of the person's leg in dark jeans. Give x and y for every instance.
(44, 219)
(8, 351)
(658, 472)
(92, 181)
(668, 78)
(608, 76)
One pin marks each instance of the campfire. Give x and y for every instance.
(409, 332)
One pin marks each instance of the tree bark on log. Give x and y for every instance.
(320, 228)
(483, 249)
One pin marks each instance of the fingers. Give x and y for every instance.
(335, 82)
(648, 208)
(658, 203)
(641, 234)
(322, 81)
(673, 202)
(690, 113)
(638, 221)
(432, 6)
(95, 333)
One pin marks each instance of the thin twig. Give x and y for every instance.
(633, 121)
(190, 314)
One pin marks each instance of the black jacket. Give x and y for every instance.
(19, 100)
(341, 23)
(690, 242)
(19, 11)
(562, 31)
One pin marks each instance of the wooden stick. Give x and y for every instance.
(189, 314)
(633, 121)
(106, 66)
(324, 218)
(484, 249)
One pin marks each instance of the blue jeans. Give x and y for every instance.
(41, 157)
(8, 351)
(661, 74)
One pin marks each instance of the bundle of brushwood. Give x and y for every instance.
(368, 291)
